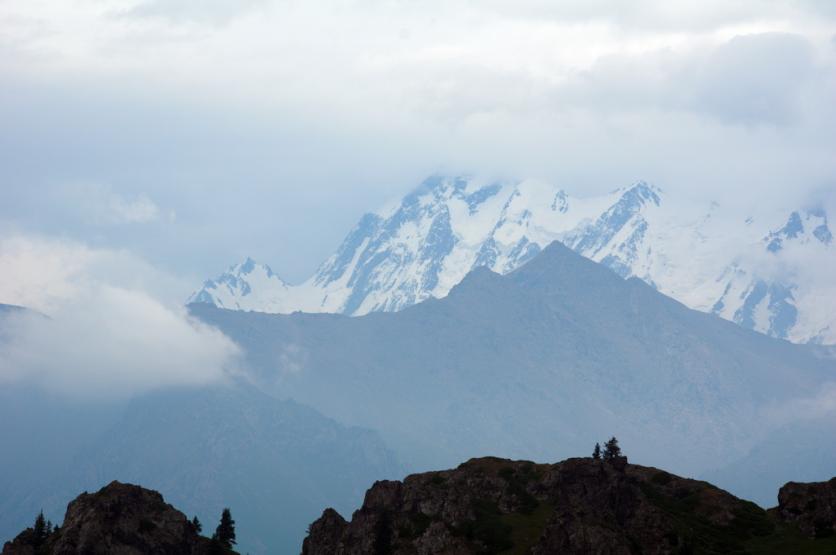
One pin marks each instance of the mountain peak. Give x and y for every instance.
(248, 285)
(558, 266)
(439, 185)
(554, 254)
(248, 266)
(802, 226)
(641, 192)
(427, 242)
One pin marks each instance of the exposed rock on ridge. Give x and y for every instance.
(120, 519)
(578, 506)
(812, 507)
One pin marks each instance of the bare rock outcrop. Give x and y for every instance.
(578, 506)
(811, 507)
(119, 519)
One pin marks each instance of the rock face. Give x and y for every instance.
(578, 506)
(119, 519)
(812, 507)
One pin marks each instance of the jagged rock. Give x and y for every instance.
(328, 531)
(120, 519)
(811, 507)
(586, 506)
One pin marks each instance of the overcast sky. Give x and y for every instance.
(191, 133)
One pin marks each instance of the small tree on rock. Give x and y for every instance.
(198, 527)
(225, 532)
(40, 530)
(611, 449)
(596, 453)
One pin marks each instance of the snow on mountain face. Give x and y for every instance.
(791, 294)
(246, 286)
(708, 259)
(812, 227)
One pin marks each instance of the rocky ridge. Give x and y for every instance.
(580, 505)
(812, 507)
(486, 506)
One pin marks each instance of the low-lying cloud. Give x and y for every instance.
(97, 333)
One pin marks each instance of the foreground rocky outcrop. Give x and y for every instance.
(120, 519)
(578, 506)
(811, 507)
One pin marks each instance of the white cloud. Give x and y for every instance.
(104, 334)
(41, 274)
(750, 80)
(47, 273)
(235, 108)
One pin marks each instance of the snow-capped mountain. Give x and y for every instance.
(246, 286)
(753, 272)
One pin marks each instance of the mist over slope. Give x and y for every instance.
(534, 363)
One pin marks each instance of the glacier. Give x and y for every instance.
(753, 271)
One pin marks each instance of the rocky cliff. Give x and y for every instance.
(812, 507)
(579, 506)
(119, 519)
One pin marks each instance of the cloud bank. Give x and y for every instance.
(269, 126)
(102, 332)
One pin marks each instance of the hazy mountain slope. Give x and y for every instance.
(802, 451)
(273, 462)
(533, 364)
(771, 274)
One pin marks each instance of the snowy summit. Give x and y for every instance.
(750, 272)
